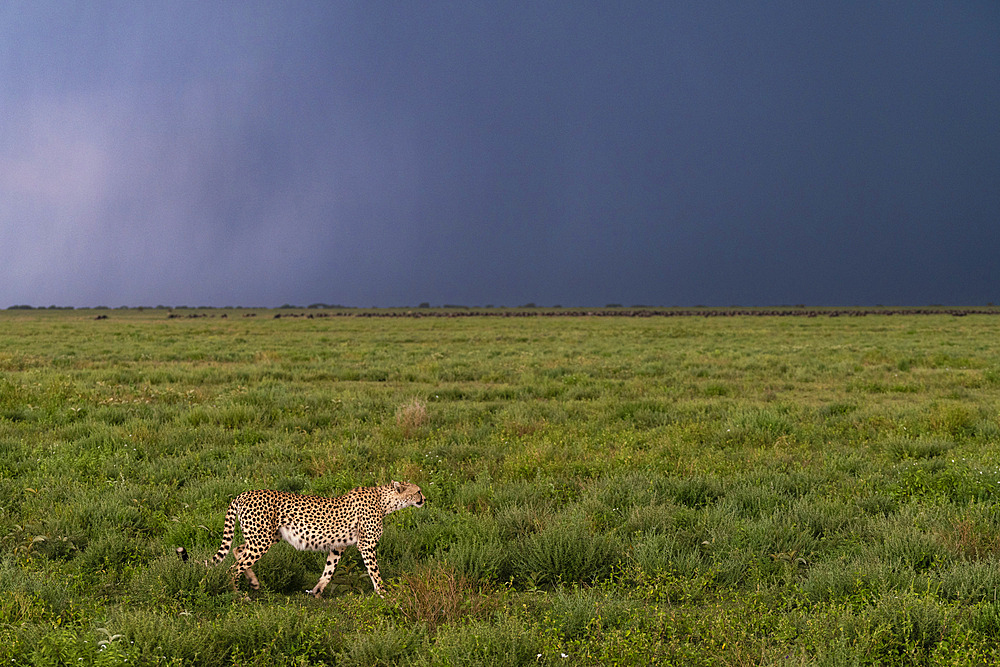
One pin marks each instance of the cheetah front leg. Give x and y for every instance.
(367, 549)
(331, 564)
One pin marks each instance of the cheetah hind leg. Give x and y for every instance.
(242, 566)
(331, 564)
(254, 582)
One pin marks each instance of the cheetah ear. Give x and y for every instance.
(396, 485)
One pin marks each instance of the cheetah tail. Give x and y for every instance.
(182, 554)
(227, 535)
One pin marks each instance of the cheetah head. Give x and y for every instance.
(406, 495)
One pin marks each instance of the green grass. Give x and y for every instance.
(724, 490)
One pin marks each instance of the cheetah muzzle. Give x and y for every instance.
(312, 523)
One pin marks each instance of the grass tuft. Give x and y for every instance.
(411, 417)
(437, 594)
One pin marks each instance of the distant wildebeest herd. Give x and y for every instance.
(461, 311)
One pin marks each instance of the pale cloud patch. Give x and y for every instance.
(55, 177)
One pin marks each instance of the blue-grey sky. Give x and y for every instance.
(558, 152)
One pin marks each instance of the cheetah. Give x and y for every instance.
(312, 523)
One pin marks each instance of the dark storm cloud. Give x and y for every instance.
(384, 154)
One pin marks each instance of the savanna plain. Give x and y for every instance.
(600, 490)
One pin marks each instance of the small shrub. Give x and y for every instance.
(411, 538)
(716, 389)
(776, 543)
(113, 553)
(577, 612)
(971, 540)
(158, 636)
(658, 554)
(63, 646)
(386, 645)
(751, 501)
(833, 582)
(909, 547)
(246, 635)
(521, 492)
(986, 619)
(167, 577)
(290, 484)
(756, 427)
(516, 521)
(904, 627)
(60, 547)
(624, 491)
(502, 643)
(919, 448)
(564, 552)
(878, 504)
(574, 612)
(697, 491)
(285, 570)
(971, 582)
(956, 420)
(481, 558)
(474, 496)
(645, 414)
(628, 490)
(648, 519)
(861, 580)
(822, 518)
(837, 409)
(796, 483)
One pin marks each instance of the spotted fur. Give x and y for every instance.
(313, 523)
